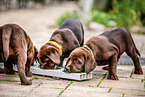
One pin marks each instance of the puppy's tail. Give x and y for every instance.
(6, 35)
(138, 52)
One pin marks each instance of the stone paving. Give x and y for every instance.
(128, 85)
(36, 22)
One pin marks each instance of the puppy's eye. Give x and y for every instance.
(49, 62)
(45, 56)
(42, 61)
(77, 61)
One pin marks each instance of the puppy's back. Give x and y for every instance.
(120, 37)
(75, 26)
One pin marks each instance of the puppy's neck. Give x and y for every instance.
(57, 45)
(88, 48)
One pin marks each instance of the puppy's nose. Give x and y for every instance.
(67, 69)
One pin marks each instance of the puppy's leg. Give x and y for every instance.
(134, 56)
(112, 68)
(1, 70)
(27, 69)
(21, 61)
(8, 68)
(107, 67)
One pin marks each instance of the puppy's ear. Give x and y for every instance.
(36, 54)
(67, 62)
(54, 55)
(90, 63)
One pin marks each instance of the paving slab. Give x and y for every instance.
(136, 76)
(11, 77)
(132, 92)
(140, 76)
(90, 83)
(14, 89)
(98, 75)
(124, 71)
(127, 68)
(134, 96)
(89, 94)
(124, 83)
(81, 91)
(48, 88)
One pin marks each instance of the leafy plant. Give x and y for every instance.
(65, 16)
(128, 12)
(102, 17)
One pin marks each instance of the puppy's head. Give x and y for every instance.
(80, 60)
(49, 57)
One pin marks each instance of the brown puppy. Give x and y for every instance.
(16, 47)
(69, 36)
(104, 49)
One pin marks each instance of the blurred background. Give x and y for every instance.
(110, 13)
(40, 18)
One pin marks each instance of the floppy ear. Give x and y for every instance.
(90, 63)
(54, 55)
(36, 54)
(67, 62)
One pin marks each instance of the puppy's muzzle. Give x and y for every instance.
(67, 69)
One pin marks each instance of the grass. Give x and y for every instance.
(110, 90)
(102, 80)
(132, 72)
(65, 89)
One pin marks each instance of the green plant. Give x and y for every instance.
(65, 16)
(102, 17)
(128, 12)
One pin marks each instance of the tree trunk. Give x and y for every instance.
(84, 10)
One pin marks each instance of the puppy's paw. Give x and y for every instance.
(138, 72)
(29, 74)
(28, 82)
(1, 70)
(105, 68)
(9, 71)
(112, 77)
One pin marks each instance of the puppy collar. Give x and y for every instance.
(57, 45)
(85, 46)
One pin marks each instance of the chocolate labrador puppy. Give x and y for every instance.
(16, 47)
(68, 37)
(102, 50)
